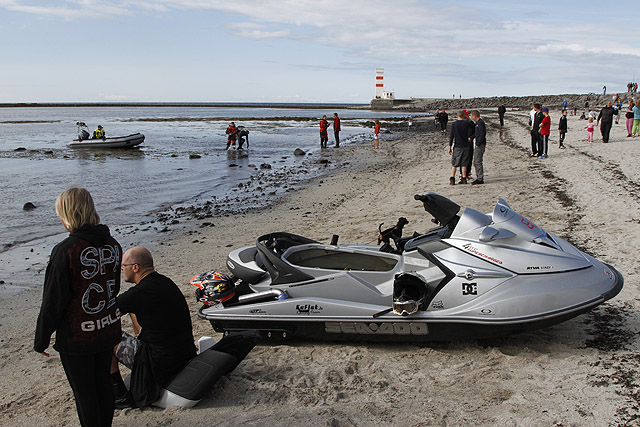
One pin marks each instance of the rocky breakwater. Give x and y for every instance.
(522, 102)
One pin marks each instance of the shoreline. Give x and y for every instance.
(579, 372)
(302, 105)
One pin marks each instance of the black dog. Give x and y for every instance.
(394, 232)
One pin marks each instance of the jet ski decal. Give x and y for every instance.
(387, 328)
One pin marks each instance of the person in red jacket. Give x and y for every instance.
(81, 283)
(545, 131)
(324, 138)
(232, 132)
(376, 132)
(336, 128)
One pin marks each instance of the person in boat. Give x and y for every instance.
(232, 134)
(162, 322)
(99, 133)
(242, 134)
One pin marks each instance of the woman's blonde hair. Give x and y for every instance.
(75, 208)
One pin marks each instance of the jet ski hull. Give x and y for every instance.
(482, 276)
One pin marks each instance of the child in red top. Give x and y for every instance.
(545, 131)
(376, 131)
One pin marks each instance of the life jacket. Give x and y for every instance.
(232, 130)
(98, 133)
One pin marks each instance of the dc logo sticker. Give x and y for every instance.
(469, 289)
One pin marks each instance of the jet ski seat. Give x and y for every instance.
(330, 259)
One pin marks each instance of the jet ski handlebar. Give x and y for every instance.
(443, 210)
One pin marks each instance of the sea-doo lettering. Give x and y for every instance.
(386, 328)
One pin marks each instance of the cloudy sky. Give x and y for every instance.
(310, 51)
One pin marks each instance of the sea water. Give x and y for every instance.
(130, 186)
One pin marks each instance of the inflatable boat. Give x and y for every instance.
(116, 142)
(474, 276)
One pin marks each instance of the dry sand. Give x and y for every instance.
(582, 372)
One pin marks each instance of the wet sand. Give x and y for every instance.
(581, 372)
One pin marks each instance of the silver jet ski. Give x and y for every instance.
(475, 276)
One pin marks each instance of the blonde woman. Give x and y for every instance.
(81, 283)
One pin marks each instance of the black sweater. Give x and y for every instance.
(79, 296)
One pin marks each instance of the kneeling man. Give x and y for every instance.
(162, 322)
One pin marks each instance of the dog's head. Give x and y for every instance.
(402, 221)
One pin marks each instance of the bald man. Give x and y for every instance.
(162, 321)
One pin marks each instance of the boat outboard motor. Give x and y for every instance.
(83, 131)
(409, 293)
(195, 380)
(443, 210)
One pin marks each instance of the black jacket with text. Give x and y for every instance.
(81, 283)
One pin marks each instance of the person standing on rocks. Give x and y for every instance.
(480, 137)
(605, 118)
(501, 112)
(336, 129)
(460, 150)
(324, 137)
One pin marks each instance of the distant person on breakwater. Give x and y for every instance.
(376, 132)
(99, 133)
(324, 137)
(336, 128)
(232, 134)
(501, 112)
(562, 129)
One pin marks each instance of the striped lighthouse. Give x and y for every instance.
(380, 92)
(379, 82)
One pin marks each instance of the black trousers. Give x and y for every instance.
(501, 119)
(336, 133)
(535, 139)
(90, 381)
(605, 128)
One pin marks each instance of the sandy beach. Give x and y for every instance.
(580, 373)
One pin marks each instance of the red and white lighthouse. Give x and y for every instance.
(380, 92)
